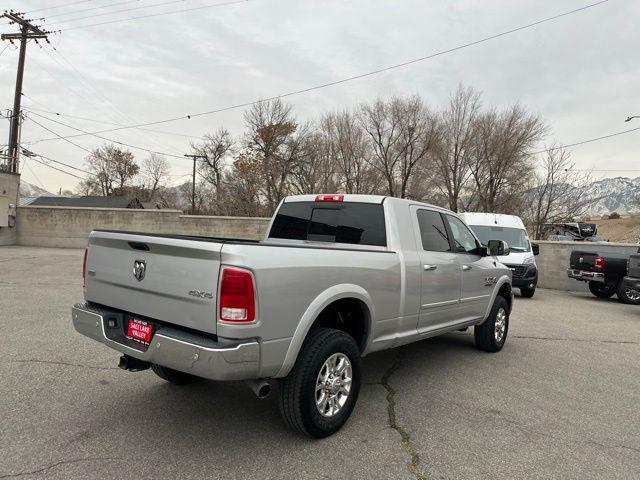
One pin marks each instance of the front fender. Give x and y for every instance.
(501, 281)
(322, 301)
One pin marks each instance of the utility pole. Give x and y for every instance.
(193, 183)
(28, 31)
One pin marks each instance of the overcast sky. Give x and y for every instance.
(581, 73)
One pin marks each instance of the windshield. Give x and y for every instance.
(515, 237)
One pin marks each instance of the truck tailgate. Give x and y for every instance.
(179, 281)
(583, 261)
(634, 266)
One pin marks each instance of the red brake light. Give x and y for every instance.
(84, 268)
(600, 264)
(329, 198)
(237, 298)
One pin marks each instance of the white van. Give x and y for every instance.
(521, 260)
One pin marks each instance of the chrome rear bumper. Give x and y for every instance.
(192, 354)
(585, 276)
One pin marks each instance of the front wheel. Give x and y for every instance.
(627, 294)
(491, 335)
(527, 292)
(320, 392)
(602, 291)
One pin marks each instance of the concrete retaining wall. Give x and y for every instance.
(553, 261)
(69, 227)
(9, 194)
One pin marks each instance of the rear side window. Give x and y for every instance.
(349, 222)
(433, 232)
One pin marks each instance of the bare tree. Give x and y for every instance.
(112, 170)
(155, 174)
(401, 133)
(274, 139)
(455, 147)
(347, 145)
(554, 195)
(215, 148)
(501, 161)
(315, 169)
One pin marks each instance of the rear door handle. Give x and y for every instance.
(466, 267)
(429, 268)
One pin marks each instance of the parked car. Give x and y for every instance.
(604, 273)
(509, 228)
(631, 283)
(337, 277)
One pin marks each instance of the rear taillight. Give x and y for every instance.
(599, 263)
(84, 268)
(329, 198)
(237, 297)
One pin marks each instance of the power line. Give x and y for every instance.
(30, 154)
(112, 12)
(92, 8)
(58, 135)
(51, 166)
(87, 119)
(604, 137)
(98, 92)
(157, 14)
(105, 138)
(357, 77)
(59, 6)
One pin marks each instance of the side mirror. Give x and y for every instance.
(535, 248)
(498, 248)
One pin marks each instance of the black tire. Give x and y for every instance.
(485, 334)
(298, 389)
(602, 291)
(527, 292)
(174, 376)
(627, 295)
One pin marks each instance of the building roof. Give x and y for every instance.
(89, 201)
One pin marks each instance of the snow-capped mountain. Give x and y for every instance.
(29, 190)
(612, 195)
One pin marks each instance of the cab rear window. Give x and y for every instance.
(337, 222)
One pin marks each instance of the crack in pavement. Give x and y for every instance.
(393, 422)
(585, 340)
(46, 468)
(66, 364)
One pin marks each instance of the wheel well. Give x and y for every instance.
(349, 315)
(505, 292)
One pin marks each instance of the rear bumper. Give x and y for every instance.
(186, 352)
(586, 276)
(631, 282)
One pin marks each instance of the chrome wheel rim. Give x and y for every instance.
(633, 295)
(333, 385)
(500, 324)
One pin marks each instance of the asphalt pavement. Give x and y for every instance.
(561, 400)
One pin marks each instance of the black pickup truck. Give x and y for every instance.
(605, 275)
(631, 283)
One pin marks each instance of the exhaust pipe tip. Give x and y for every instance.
(261, 388)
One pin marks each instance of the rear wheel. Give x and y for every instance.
(527, 292)
(174, 376)
(602, 291)
(627, 294)
(320, 392)
(491, 335)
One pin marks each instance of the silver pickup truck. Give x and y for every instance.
(337, 277)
